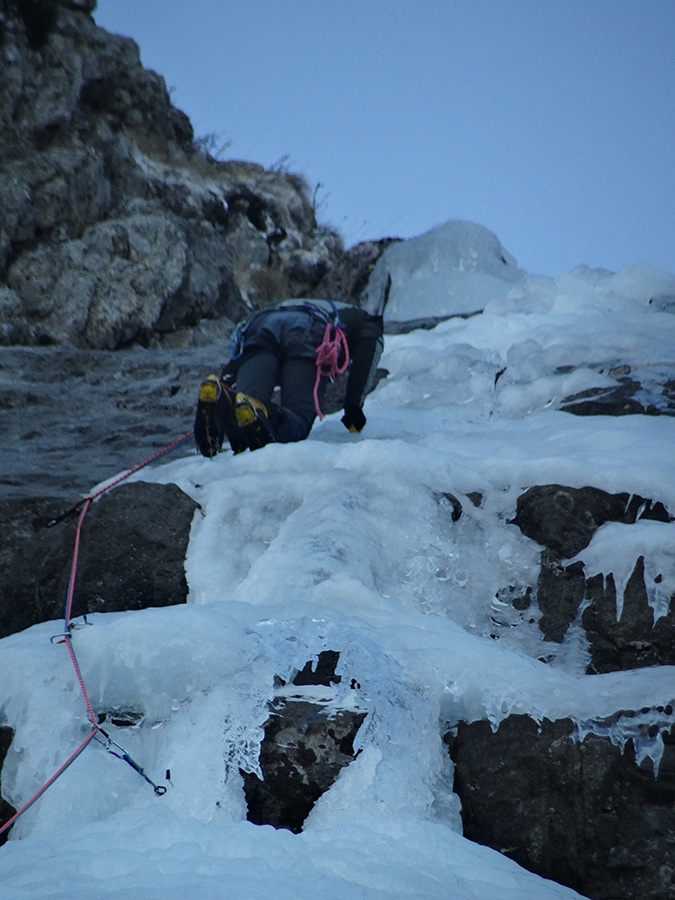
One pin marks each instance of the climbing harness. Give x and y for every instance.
(66, 638)
(328, 354)
(240, 335)
(330, 351)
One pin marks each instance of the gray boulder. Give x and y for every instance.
(132, 552)
(65, 301)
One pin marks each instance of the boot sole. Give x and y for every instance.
(210, 390)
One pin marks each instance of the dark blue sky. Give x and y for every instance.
(551, 123)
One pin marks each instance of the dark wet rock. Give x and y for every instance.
(306, 744)
(560, 592)
(448, 501)
(634, 639)
(346, 280)
(6, 809)
(304, 748)
(476, 498)
(564, 520)
(644, 391)
(131, 556)
(581, 813)
(73, 418)
(120, 717)
(319, 672)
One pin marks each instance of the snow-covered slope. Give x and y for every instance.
(347, 543)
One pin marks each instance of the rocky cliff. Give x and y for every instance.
(117, 227)
(117, 231)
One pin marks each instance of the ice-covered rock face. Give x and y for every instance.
(454, 269)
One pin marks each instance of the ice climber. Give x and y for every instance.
(298, 346)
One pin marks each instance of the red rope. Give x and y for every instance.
(145, 462)
(71, 759)
(112, 484)
(66, 640)
(83, 506)
(69, 606)
(328, 359)
(73, 565)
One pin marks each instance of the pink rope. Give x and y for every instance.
(69, 606)
(48, 784)
(112, 484)
(141, 465)
(73, 565)
(84, 505)
(328, 359)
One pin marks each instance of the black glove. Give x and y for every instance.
(353, 419)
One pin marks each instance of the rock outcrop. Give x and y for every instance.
(639, 391)
(578, 811)
(117, 227)
(590, 804)
(564, 520)
(307, 742)
(131, 556)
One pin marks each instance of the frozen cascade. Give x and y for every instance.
(347, 543)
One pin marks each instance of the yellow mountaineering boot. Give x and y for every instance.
(248, 409)
(253, 418)
(210, 389)
(216, 418)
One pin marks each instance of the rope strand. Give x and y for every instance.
(107, 487)
(328, 353)
(48, 784)
(83, 508)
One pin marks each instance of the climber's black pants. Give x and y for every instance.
(260, 371)
(280, 351)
